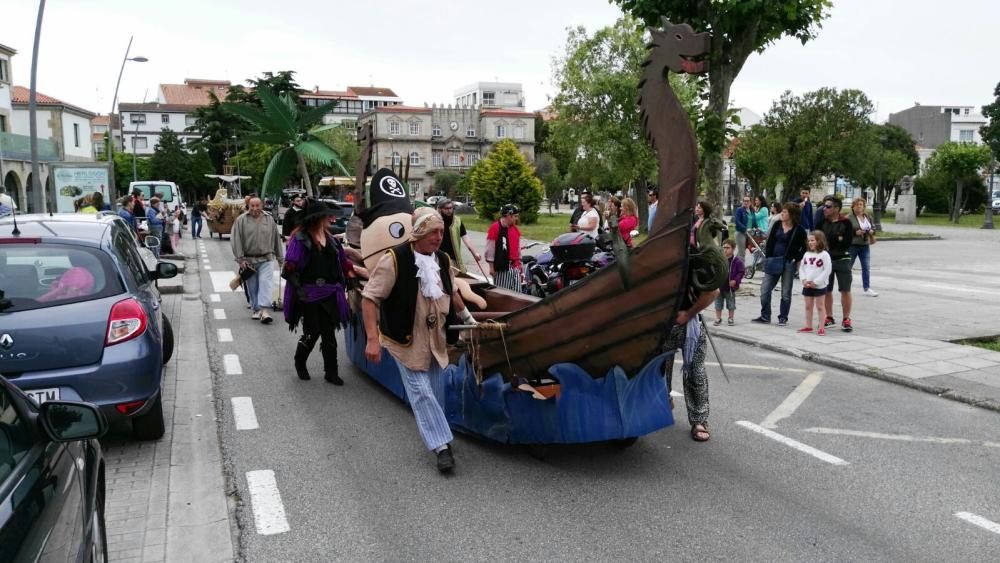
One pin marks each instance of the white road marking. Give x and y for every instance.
(794, 400)
(231, 363)
(206, 267)
(680, 364)
(792, 443)
(225, 335)
(676, 394)
(220, 281)
(268, 512)
(206, 261)
(215, 298)
(899, 437)
(977, 520)
(243, 414)
(220, 314)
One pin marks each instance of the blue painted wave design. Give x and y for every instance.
(587, 410)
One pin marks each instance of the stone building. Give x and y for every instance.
(439, 138)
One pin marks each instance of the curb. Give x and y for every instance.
(925, 237)
(874, 373)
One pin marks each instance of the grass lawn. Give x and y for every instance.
(974, 221)
(987, 343)
(547, 228)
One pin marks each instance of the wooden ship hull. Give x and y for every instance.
(584, 364)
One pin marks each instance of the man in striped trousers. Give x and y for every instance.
(503, 249)
(405, 306)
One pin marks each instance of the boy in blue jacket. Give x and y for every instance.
(727, 293)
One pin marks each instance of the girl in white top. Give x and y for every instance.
(814, 272)
(590, 221)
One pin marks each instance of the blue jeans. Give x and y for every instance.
(767, 287)
(261, 285)
(864, 252)
(196, 226)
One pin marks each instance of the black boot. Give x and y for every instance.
(330, 366)
(302, 351)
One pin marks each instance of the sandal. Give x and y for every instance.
(699, 433)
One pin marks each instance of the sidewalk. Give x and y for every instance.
(931, 294)
(166, 499)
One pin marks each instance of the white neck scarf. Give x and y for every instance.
(429, 274)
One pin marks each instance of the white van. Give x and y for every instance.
(171, 193)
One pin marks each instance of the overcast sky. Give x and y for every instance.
(897, 52)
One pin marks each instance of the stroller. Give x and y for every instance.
(755, 238)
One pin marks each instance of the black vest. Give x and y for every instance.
(399, 309)
(324, 263)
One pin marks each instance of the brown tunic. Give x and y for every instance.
(427, 343)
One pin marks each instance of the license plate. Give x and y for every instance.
(42, 395)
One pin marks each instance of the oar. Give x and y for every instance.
(715, 351)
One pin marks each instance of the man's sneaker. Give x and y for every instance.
(265, 318)
(717, 322)
(829, 322)
(255, 315)
(445, 461)
(782, 321)
(761, 320)
(732, 322)
(846, 326)
(871, 292)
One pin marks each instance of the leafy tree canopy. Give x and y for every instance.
(738, 28)
(960, 163)
(503, 177)
(991, 131)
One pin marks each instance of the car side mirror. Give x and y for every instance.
(151, 242)
(69, 421)
(164, 271)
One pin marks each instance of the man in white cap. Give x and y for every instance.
(406, 304)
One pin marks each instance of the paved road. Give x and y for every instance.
(890, 469)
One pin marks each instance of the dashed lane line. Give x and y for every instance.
(220, 314)
(806, 449)
(225, 335)
(215, 298)
(268, 512)
(231, 363)
(794, 400)
(900, 437)
(977, 520)
(243, 414)
(220, 281)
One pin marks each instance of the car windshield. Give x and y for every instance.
(148, 190)
(37, 276)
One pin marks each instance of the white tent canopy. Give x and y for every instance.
(228, 179)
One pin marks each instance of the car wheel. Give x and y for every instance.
(168, 339)
(150, 425)
(98, 531)
(624, 443)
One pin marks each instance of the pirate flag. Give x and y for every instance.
(387, 219)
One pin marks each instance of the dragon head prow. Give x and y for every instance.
(679, 48)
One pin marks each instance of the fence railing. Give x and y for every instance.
(18, 147)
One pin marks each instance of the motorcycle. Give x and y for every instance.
(570, 258)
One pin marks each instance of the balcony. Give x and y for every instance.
(18, 147)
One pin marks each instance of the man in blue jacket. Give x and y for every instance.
(807, 210)
(742, 219)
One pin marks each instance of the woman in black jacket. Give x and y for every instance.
(785, 246)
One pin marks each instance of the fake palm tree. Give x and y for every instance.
(280, 121)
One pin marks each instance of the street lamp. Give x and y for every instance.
(111, 123)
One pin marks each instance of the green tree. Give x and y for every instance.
(597, 132)
(446, 182)
(991, 131)
(123, 170)
(219, 131)
(252, 160)
(812, 134)
(344, 142)
(738, 28)
(752, 156)
(170, 161)
(281, 82)
(960, 163)
(280, 121)
(196, 182)
(878, 157)
(503, 177)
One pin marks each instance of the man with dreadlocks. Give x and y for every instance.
(406, 304)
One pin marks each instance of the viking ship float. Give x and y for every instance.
(584, 364)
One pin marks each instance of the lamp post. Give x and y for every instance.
(111, 123)
(988, 216)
